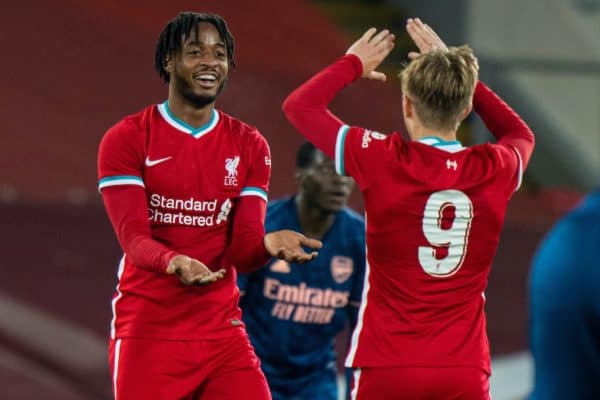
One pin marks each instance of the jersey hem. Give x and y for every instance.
(235, 331)
(417, 365)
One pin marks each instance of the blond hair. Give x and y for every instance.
(440, 85)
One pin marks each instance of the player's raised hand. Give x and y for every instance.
(372, 48)
(193, 272)
(288, 245)
(424, 37)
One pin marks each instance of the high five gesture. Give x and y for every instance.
(372, 48)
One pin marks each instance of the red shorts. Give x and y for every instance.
(418, 383)
(198, 369)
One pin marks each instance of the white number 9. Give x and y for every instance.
(454, 238)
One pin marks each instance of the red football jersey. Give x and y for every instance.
(434, 212)
(192, 178)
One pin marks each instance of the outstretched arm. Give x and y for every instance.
(246, 251)
(306, 107)
(250, 248)
(120, 181)
(128, 212)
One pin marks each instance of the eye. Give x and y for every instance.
(221, 54)
(327, 169)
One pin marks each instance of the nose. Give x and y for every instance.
(341, 179)
(208, 59)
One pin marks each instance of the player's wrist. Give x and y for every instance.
(166, 259)
(356, 64)
(265, 247)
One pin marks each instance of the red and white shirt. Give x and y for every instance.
(434, 213)
(190, 181)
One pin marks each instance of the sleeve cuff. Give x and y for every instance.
(356, 64)
(167, 257)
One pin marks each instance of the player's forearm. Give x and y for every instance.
(306, 107)
(147, 253)
(503, 122)
(127, 210)
(246, 251)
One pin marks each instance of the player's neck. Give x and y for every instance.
(419, 132)
(189, 113)
(314, 221)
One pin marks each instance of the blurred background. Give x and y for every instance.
(73, 68)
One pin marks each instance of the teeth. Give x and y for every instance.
(207, 77)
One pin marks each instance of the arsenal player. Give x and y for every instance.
(293, 313)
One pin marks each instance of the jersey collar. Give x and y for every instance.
(183, 126)
(451, 146)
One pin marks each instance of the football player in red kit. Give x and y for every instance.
(434, 212)
(185, 188)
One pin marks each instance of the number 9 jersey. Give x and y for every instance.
(434, 213)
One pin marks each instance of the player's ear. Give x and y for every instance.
(407, 106)
(299, 176)
(168, 64)
(466, 112)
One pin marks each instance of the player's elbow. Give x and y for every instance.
(527, 134)
(527, 146)
(531, 138)
(288, 107)
(291, 107)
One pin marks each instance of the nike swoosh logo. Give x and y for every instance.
(152, 163)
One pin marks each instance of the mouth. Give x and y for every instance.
(206, 80)
(338, 195)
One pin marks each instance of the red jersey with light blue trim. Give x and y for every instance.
(434, 212)
(192, 179)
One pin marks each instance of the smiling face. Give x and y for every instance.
(199, 71)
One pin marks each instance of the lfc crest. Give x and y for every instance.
(231, 165)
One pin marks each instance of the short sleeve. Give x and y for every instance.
(361, 153)
(120, 157)
(259, 170)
